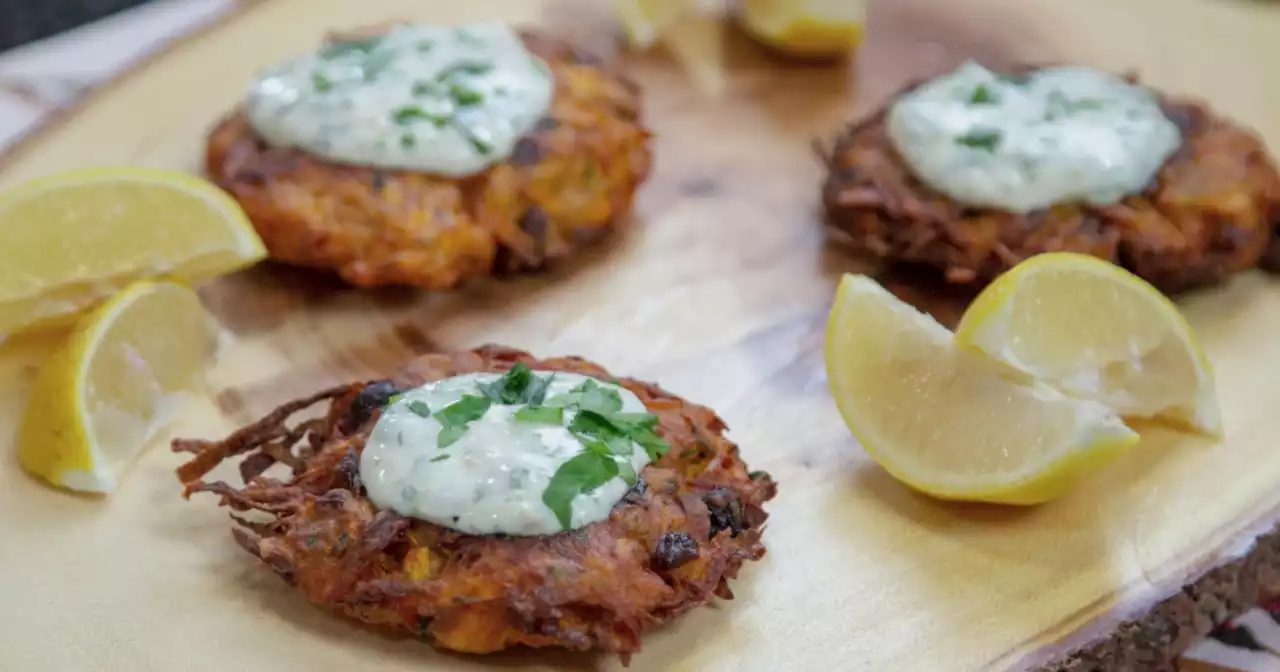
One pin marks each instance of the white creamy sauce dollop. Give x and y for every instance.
(1057, 135)
(428, 98)
(492, 479)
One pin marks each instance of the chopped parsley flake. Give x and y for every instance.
(420, 409)
(321, 83)
(455, 417)
(987, 140)
(408, 141)
(440, 458)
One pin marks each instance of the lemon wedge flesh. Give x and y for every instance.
(647, 21)
(806, 28)
(113, 384)
(71, 240)
(951, 423)
(1095, 331)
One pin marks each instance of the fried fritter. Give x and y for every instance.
(1209, 212)
(672, 543)
(567, 184)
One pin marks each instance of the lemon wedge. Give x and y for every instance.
(645, 22)
(948, 422)
(1096, 331)
(71, 240)
(113, 384)
(806, 28)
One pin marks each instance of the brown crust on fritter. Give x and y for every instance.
(1209, 212)
(567, 184)
(671, 544)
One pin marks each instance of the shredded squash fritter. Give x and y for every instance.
(694, 517)
(1211, 211)
(566, 185)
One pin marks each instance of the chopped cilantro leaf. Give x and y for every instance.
(456, 416)
(320, 83)
(480, 145)
(599, 399)
(465, 68)
(408, 141)
(410, 114)
(987, 140)
(464, 96)
(420, 409)
(541, 414)
(349, 47)
(628, 473)
(440, 458)
(518, 385)
(581, 474)
(982, 96)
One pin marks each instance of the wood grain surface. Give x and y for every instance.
(720, 294)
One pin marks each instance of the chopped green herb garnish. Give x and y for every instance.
(465, 68)
(480, 145)
(987, 140)
(467, 36)
(410, 114)
(581, 474)
(420, 409)
(408, 141)
(320, 83)
(456, 416)
(375, 64)
(599, 399)
(518, 385)
(541, 414)
(395, 397)
(982, 96)
(424, 88)
(627, 472)
(440, 458)
(351, 47)
(464, 96)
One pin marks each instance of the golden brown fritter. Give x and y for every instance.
(567, 184)
(672, 543)
(1209, 212)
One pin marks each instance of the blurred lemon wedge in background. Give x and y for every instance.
(110, 388)
(806, 28)
(71, 240)
(949, 422)
(647, 21)
(1096, 331)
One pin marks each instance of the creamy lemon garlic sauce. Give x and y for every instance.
(1065, 134)
(521, 453)
(419, 97)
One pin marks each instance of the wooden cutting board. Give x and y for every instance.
(720, 293)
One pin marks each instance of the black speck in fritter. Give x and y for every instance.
(374, 396)
(726, 511)
(674, 549)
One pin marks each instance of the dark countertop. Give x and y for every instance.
(23, 21)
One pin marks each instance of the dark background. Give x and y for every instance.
(23, 21)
